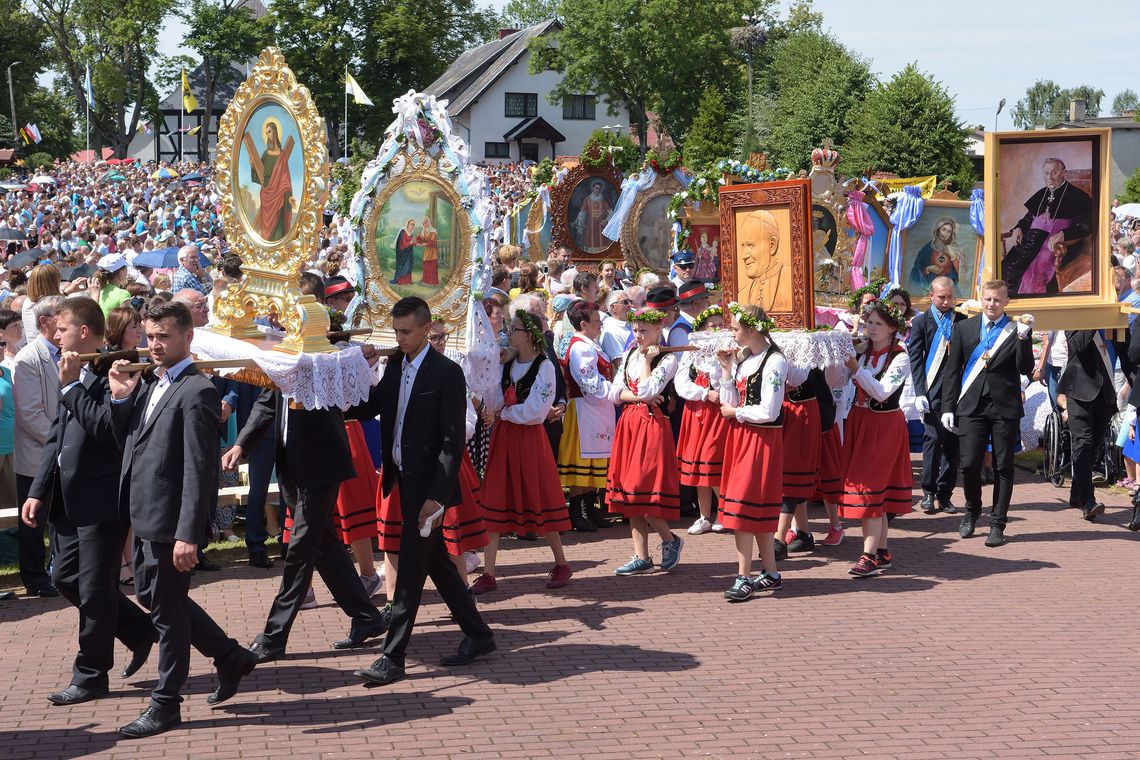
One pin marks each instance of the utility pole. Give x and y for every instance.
(12, 104)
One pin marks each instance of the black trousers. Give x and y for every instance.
(421, 558)
(33, 556)
(314, 545)
(974, 434)
(1088, 423)
(180, 622)
(86, 572)
(940, 457)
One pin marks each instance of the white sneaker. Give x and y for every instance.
(310, 602)
(717, 528)
(473, 561)
(371, 584)
(702, 525)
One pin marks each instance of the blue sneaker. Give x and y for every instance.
(671, 552)
(635, 566)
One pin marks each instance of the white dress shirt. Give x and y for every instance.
(163, 384)
(408, 371)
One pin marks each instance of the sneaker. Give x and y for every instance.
(635, 566)
(883, 559)
(802, 541)
(483, 584)
(865, 567)
(767, 582)
(310, 602)
(834, 536)
(371, 584)
(718, 528)
(741, 589)
(559, 576)
(472, 561)
(702, 525)
(671, 552)
(790, 535)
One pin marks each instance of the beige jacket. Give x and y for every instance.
(35, 390)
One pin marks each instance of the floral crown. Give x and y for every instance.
(750, 320)
(874, 287)
(887, 311)
(713, 311)
(533, 328)
(649, 316)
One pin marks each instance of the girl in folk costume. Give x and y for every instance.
(700, 446)
(521, 492)
(588, 427)
(752, 397)
(642, 483)
(876, 452)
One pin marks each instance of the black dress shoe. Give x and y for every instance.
(264, 653)
(1134, 524)
(138, 658)
(966, 529)
(260, 559)
(5, 595)
(996, 536)
(229, 678)
(76, 695)
(45, 591)
(945, 505)
(151, 723)
(1090, 512)
(927, 504)
(358, 635)
(206, 566)
(382, 672)
(469, 651)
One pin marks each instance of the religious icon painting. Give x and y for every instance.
(1047, 196)
(270, 172)
(704, 240)
(942, 243)
(766, 254)
(582, 204)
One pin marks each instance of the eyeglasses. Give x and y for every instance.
(683, 266)
(437, 338)
(518, 329)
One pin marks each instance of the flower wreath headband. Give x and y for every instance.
(874, 287)
(648, 316)
(533, 328)
(890, 313)
(750, 320)
(715, 310)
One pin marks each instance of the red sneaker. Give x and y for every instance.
(483, 584)
(865, 567)
(559, 576)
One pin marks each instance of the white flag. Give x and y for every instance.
(353, 89)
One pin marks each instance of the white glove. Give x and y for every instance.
(948, 422)
(921, 404)
(1024, 325)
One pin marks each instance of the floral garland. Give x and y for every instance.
(887, 311)
(533, 328)
(337, 319)
(750, 174)
(663, 165)
(705, 188)
(874, 287)
(750, 320)
(716, 310)
(648, 316)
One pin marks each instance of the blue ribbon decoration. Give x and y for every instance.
(978, 220)
(908, 210)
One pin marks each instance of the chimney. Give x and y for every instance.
(504, 33)
(1077, 110)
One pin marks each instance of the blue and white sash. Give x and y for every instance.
(987, 347)
(943, 329)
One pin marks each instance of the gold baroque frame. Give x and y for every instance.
(451, 301)
(921, 301)
(271, 270)
(560, 207)
(630, 247)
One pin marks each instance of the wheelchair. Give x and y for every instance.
(1057, 462)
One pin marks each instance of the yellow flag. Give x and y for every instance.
(926, 185)
(355, 90)
(189, 102)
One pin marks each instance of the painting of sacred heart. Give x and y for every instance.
(270, 177)
(416, 238)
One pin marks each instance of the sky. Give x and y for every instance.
(981, 51)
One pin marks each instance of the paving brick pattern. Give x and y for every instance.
(1025, 651)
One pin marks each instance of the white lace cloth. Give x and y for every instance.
(828, 348)
(315, 381)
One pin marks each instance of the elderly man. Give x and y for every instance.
(196, 302)
(190, 274)
(35, 391)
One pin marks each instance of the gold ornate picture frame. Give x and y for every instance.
(647, 235)
(568, 202)
(271, 133)
(941, 242)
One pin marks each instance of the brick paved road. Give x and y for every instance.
(961, 652)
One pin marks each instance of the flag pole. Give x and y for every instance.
(181, 114)
(346, 110)
(87, 108)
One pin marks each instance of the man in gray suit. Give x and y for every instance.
(35, 391)
(168, 429)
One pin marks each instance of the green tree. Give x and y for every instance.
(1130, 193)
(907, 125)
(523, 13)
(1125, 100)
(53, 111)
(710, 136)
(1046, 103)
(22, 42)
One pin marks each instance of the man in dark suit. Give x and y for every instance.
(78, 481)
(421, 402)
(1089, 403)
(312, 459)
(168, 430)
(981, 399)
(931, 334)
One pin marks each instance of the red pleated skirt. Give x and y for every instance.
(876, 452)
(753, 482)
(643, 481)
(801, 438)
(463, 529)
(700, 446)
(521, 490)
(355, 515)
(830, 467)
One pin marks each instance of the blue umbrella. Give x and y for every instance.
(164, 258)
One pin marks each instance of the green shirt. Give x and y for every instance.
(112, 297)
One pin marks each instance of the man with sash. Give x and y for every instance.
(928, 347)
(1087, 398)
(981, 400)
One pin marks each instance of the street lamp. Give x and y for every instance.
(1001, 105)
(12, 104)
